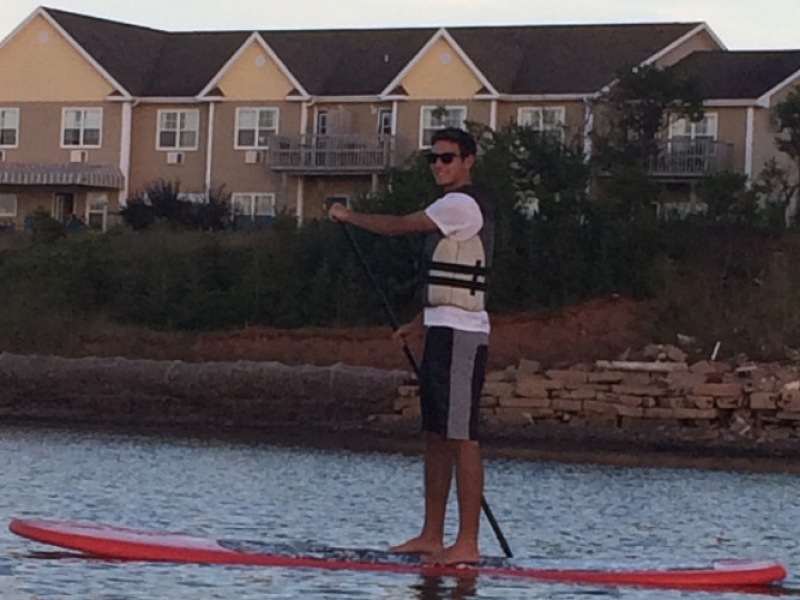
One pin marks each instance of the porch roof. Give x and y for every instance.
(94, 176)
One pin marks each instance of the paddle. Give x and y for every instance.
(412, 359)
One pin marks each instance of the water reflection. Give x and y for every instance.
(432, 587)
(558, 513)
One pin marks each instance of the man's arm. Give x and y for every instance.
(417, 222)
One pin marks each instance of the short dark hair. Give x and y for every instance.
(466, 143)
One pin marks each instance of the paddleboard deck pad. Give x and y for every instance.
(120, 543)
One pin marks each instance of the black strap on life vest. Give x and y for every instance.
(476, 284)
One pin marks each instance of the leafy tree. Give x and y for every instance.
(787, 117)
(637, 109)
(631, 117)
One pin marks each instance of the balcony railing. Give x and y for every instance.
(691, 158)
(332, 154)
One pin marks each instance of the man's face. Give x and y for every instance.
(454, 174)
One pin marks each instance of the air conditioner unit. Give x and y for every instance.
(252, 157)
(79, 156)
(175, 158)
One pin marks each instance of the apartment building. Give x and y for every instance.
(92, 111)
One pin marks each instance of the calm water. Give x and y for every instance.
(222, 490)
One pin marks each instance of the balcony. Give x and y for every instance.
(335, 154)
(686, 159)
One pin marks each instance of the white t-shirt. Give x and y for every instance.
(457, 216)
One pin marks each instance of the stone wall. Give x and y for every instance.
(228, 394)
(703, 400)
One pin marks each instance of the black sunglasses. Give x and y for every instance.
(445, 157)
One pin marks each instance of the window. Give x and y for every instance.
(438, 117)
(97, 211)
(253, 205)
(177, 129)
(9, 127)
(684, 129)
(8, 205)
(254, 127)
(82, 127)
(385, 121)
(548, 120)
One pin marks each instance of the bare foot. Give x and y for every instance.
(418, 545)
(457, 554)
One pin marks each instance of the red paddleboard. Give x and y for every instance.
(143, 545)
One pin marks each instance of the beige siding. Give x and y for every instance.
(698, 42)
(40, 133)
(33, 198)
(148, 164)
(62, 74)
(410, 114)
(318, 189)
(441, 74)
(732, 129)
(255, 76)
(508, 112)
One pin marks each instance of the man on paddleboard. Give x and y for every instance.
(458, 256)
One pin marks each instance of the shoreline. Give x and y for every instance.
(587, 447)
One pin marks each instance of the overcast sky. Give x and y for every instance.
(741, 24)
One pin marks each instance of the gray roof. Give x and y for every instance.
(563, 59)
(731, 75)
(516, 60)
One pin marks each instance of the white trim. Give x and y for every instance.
(352, 99)
(733, 103)
(588, 128)
(493, 114)
(277, 116)
(748, 143)
(422, 110)
(445, 35)
(304, 117)
(300, 199)
(83, 110)
(562, 110)
(473, 67)
(125, 149)
(177, 147)
(683, 39)
(254, 37)
(251, 196)
(210, 145)
(394, 117)
(115, 84)
(19, 126)
(159, 99)
(87, 210)
(577, 97)
(765, 99)
(16, 205)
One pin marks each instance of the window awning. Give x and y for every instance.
(94, 176)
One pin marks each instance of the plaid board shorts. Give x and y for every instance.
(451, 379)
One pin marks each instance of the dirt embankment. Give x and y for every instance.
(598, 329)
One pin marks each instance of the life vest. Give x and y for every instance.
(456, 273)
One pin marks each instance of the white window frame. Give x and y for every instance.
(193, 197)
(5, 115)
(276, 119)
(709, 117)
(93, 201)
(426, 124)
(83, 118)
(528, 115)
(251, 199)
(9, 215)
(385, 114)
(178, 131)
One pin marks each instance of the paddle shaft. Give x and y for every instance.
(412, 359)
